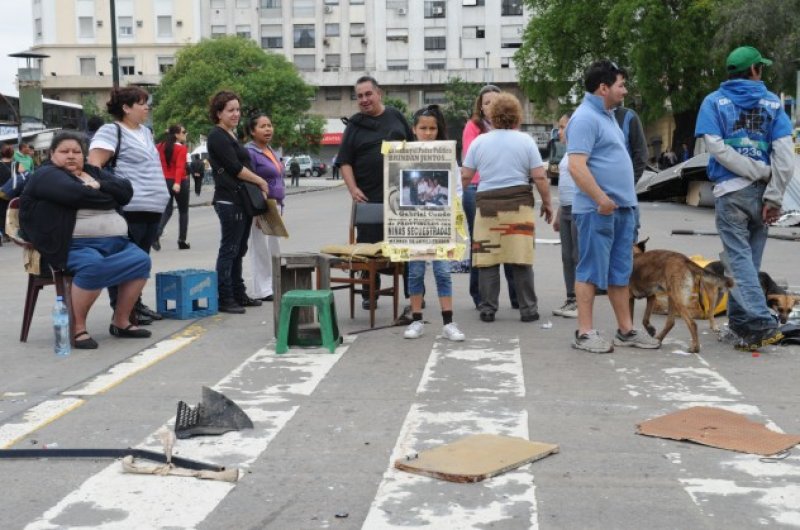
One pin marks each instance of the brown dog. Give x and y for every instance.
(777, 298)
(664, 271)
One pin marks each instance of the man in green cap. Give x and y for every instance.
(748, 135)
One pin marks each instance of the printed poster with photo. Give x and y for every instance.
(421, 204)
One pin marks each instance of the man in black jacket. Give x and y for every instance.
(360, 159)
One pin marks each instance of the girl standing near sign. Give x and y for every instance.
(428, 125)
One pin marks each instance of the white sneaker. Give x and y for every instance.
(451, 332)
(568, 310)
(414, 330)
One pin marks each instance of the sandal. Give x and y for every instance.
(86, 344)
(130, 332)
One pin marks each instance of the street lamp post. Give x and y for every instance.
(114, 58)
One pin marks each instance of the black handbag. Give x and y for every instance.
(253, 201)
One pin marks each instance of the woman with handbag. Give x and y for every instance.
(266, 164)
(127, 146)
(231, 166)
(173, 155)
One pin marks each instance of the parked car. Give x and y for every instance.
(319, 168)
(305, 163)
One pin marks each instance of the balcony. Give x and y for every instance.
(90, 82)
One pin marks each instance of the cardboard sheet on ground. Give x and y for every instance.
(475, 457)
(718, 428)
(271, 222)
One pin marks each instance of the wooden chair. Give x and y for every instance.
(36, 282)
(357, 267)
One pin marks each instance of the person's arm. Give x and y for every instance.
(466, 175)
(729, 158)
(542, 183)
(782, 161)
(55, 185)
(584, 180)
(638, 142)
(350, 182)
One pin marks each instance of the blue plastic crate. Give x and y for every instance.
(188, 293)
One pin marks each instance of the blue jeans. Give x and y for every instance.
(441, 273)
(744, 236)
(468, 201)
(235, 229)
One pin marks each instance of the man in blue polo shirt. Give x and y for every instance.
(603, 209)
(748, 135)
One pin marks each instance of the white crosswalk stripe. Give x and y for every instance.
(116, 500)
(768, 489)
(470, 388)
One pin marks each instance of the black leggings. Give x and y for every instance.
(182, 198)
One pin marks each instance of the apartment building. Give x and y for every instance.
(413, 47)
(76, 34)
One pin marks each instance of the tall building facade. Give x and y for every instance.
(412, 47)
(76, 34)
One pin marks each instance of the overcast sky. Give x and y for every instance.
(16, 35)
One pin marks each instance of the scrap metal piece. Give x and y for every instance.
(215, 415)
(109, 453)
(130, 465)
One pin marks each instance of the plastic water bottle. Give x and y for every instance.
(61, 327)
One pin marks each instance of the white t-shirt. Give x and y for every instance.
(504, 158)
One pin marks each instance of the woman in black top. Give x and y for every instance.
(230, 163)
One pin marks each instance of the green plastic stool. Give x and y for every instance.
(288, 330)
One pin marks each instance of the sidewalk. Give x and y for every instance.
(307, 184)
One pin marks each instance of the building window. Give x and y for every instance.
(471, 3)
(356, 2)
(511, 36)
(304, 36)
(164, 25)
(402, 95)
(436, 8)
(511, 8)
(436, 64)
(357, 29)
(270, 4)
(358, 61)
(332, 3)
(271, 36)
(37, 28)
(505, 62)
(303, 8)
(243, 30)
(474, 32)
(305, 63)
(165, 64)
(86, 27)
(397, 4)
(125, 26)
(435, 97)
(331, 30)
(242, 4)
(333, 93)
(217, 4)
(397, 64)
(333, 60)
(436, 43)
(127, 66)
(88, 66)
(218, 31)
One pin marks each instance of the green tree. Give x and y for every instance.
(461, 96)
(772, 26)
(398, 104)
(265, 81)
(666, 47)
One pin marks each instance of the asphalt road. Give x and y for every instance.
(328, 426)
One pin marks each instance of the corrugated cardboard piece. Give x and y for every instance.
(475, 457)
(719, 428)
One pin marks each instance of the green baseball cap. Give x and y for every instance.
(743, 58)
